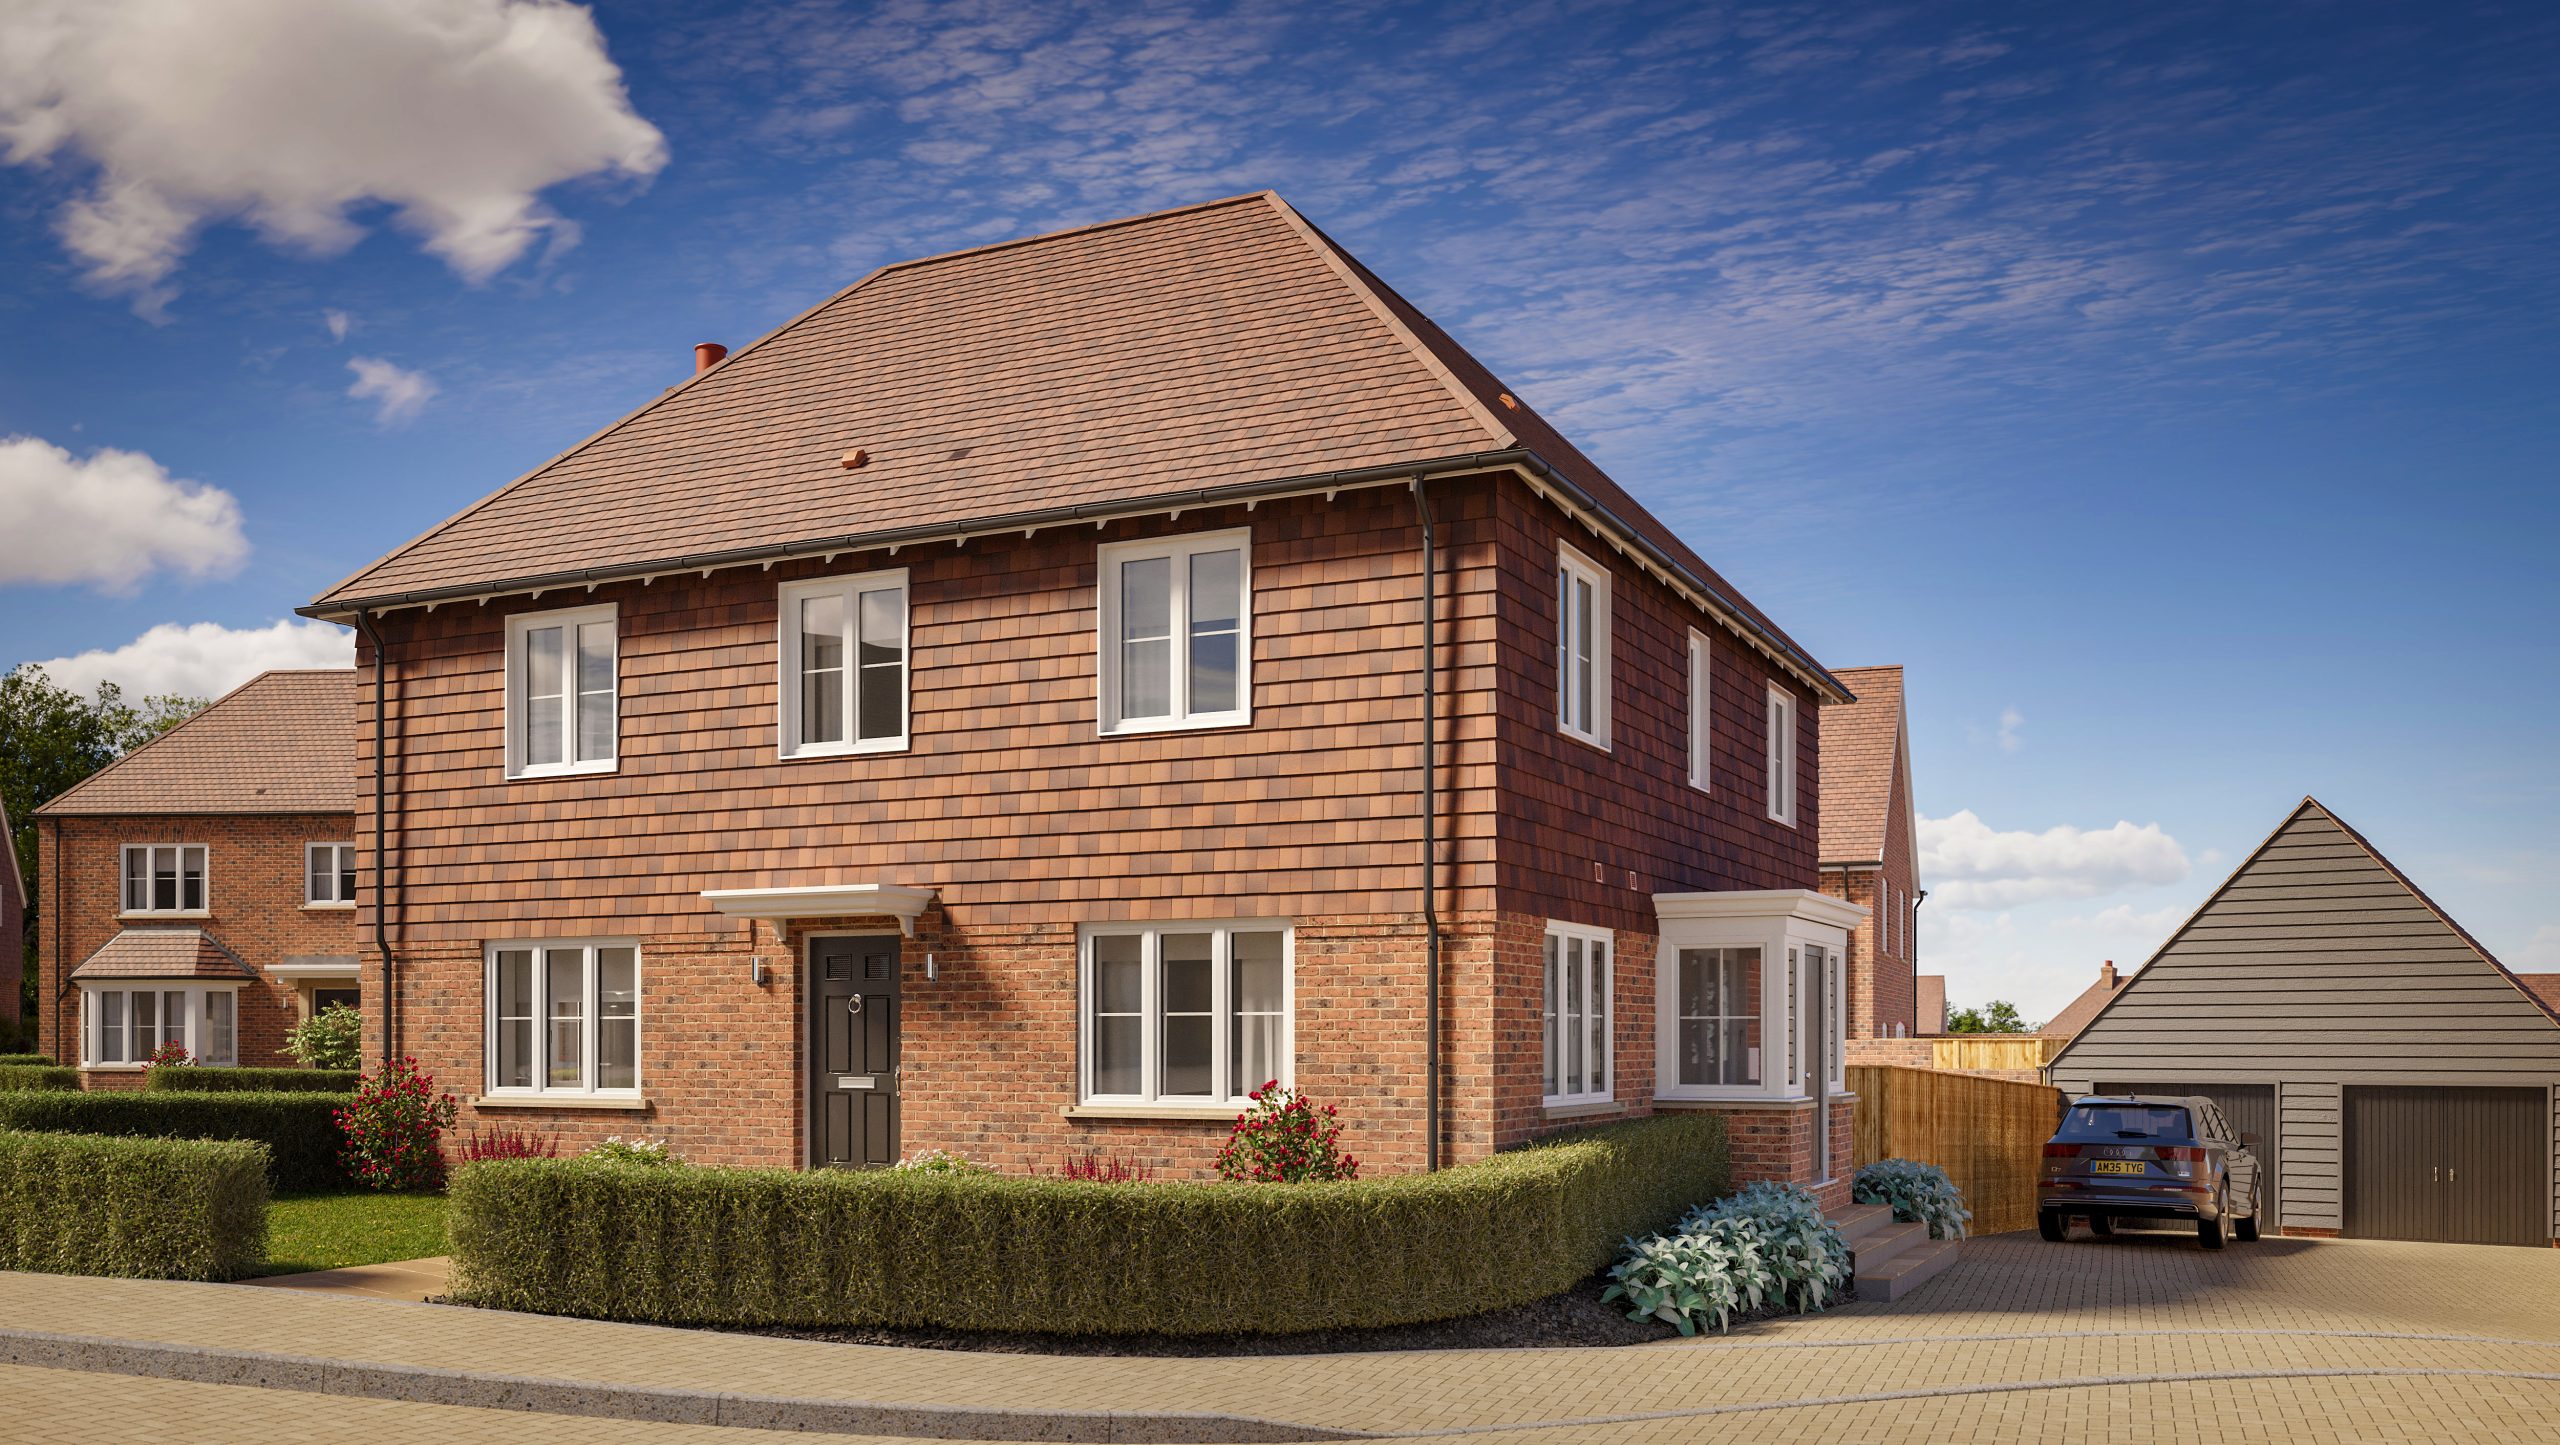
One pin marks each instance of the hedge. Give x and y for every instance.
(141, 1208)
(251, 1081)
(24, 1061)
(299, 1130)
(37, 1076)
(962, 1251)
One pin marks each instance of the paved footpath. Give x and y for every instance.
(2134, 1339)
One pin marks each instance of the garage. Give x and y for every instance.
(2401, 1080)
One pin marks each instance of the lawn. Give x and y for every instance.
(331, 1231)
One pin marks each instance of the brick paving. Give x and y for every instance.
(2148, 1339)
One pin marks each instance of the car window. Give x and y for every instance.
(2126, 1121)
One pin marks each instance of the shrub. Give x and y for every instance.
(1105, 1171)
(1919, 1193)
(1283, 1139)
(1765, 1243)
(942, 1161)
(139, 1208)
(505, 1143)
(647, 1153)
(171, 1055)
(1805, 1256)
(299, 1130)
(37, 1076)
(912, 1248)
(333, 1038)
(391, 1126)
(251, 1081)
(26, 1061)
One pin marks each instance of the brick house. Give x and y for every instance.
(13, 929)
(1045, 691)
(1870, 853)
(201, 888)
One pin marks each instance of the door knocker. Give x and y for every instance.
(853, 1005)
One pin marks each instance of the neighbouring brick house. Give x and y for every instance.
(1044, 692)
(2075, 1015)
(201, 889)
(13, 929)
(1870, 852)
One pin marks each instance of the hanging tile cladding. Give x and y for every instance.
(1008, 801)
(1588, 835)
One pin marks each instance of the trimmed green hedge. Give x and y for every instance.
(251, 1081)
(962, 1251)
(141, 1208)
(37, 1076)
(299, 1130)
(24, 1061)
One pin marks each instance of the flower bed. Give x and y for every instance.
(299, 1130)
(140, 1208)
(924, 1249)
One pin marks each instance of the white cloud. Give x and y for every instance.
(204, 659)
(2124, 918)
(456, 114)
(338, 322)
(2010, 721)
(401, 392)
(1987, 869)
(2542, 951)
(108, 519)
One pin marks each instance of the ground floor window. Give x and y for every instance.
(1718, 996)
(564, 1018)
(127, 1025)
(1184, 1013)
(1576, 1021)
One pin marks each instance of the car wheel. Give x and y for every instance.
(2245, 1228)
(2049, 1224)
(2209, 1231)
(2101, 1227)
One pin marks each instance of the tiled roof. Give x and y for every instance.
(1222, 344)
(282, 742)
(11, 882)
(2545, 987)
(2075, 1015)
(163, 953)
(1859, 743)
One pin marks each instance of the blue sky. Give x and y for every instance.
(2168, 388)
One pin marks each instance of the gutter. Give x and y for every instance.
(1541, 476)
(1430, 832)
(381, 872)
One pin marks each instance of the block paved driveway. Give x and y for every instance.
(2137, 1339)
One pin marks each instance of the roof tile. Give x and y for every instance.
(282, 742)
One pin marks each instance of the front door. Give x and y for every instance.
(853, 1052)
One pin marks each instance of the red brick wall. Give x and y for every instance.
(1778, 1142)
(13, 960)
(253, 894)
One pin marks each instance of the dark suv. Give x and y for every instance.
(2145, 1156)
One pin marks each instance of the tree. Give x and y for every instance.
(50, 739)
(1996, 1017)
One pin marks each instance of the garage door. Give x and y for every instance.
(2251, 1108)
(2464, 1166)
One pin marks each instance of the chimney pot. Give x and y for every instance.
(707, 354)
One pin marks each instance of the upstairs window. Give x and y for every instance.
(1701, 712)
(1582, 647)
(164, 878)
(561, 678)
(1177, 632)
(1782, 757)
(329, 875)
(844, 665)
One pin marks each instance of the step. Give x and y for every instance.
(1859, 1221)
(1906, 1271)
(1890, 1242)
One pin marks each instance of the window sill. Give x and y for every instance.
(113, 1068)
(1747, 1101)
(328, 908)
(165, 915)
(1207, 723)
(1586, 739)
(584, 770)
(1589, 1109)
(825, 751)
(1206, 1113)
(559, 1101)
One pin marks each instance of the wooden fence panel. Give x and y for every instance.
(1994, 1053)
(1988, 1134)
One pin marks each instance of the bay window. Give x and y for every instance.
(125, 1024)
(1575, 1019)
(1176, 632)
(164, 878)
(844, 665)
(1184, 1013)
(1751, 997)
(563, 1018)
(562, 676)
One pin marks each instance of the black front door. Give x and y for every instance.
(853, 1052)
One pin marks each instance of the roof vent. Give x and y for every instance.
(707, 354)
(856, 458)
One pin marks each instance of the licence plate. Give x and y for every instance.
(2116, 1166)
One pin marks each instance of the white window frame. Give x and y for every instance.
(1151, 1010)
(568, 620)
(1108, 559)
(787, 634)
(1572, 566)
(1781, 924)
(340, 875)
(1702, 712)
(590, 1020)
(1781, 715)
(193, 1033)
(1599, 988)
(204, 880)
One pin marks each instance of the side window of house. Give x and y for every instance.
(562, 675)
(129, 1025)
(329, 874)
(1576, 1016)
(1582, 647)
(1185, 1013)
(164, 878)
(1782, 756)
(564, 1018)
(1701, 713)
(844, 665)
(1177, 632)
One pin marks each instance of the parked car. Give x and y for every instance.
(2147, 1156)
